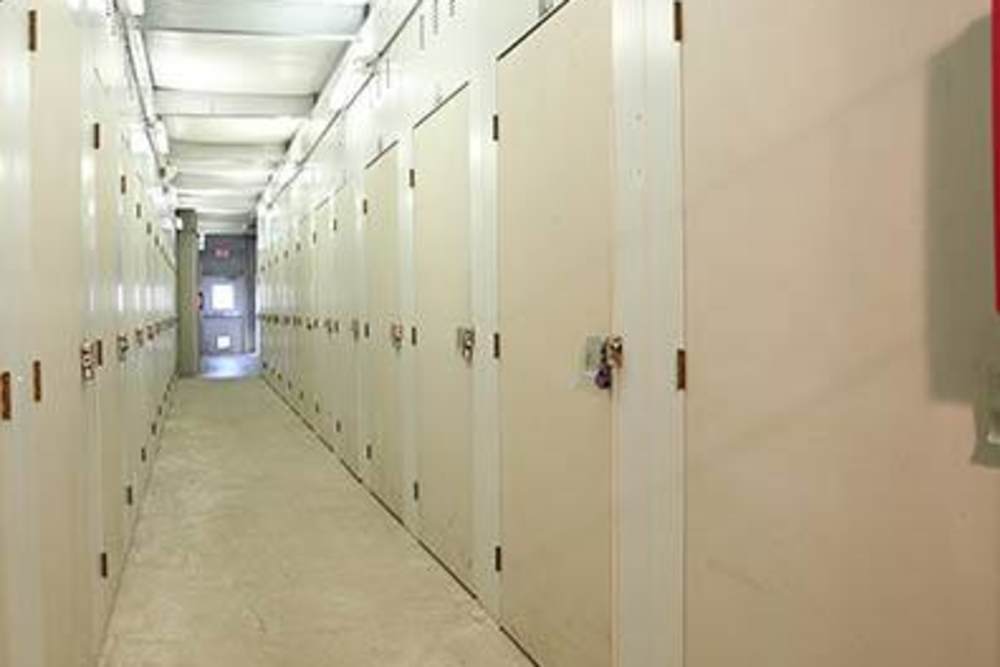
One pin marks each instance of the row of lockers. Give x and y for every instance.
(87, 341)
(391, 387)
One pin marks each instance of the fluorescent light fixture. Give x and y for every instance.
(137, 7)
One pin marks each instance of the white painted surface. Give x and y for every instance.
(839, 291)
(443, 304)
(411, 78)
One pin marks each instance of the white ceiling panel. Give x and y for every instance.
(232, 130)
(289, 17)
(240, 64)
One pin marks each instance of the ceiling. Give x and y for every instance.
(233, 80)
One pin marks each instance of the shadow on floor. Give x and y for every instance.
(230, 366)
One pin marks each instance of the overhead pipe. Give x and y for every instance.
(299, 165)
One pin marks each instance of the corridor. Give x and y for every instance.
(255, 547)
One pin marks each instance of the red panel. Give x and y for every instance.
(996, 147)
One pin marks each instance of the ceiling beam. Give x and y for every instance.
(188, 151)
(220, 180)
(185, 103)
(294, 18)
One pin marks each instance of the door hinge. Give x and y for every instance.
(97, 136)
(413, 336)
(368, 452)
(6, 400)
(104, 565)
(496, 127)
(364, 206)
(497, 559)
(678, 21)
(33, 30)
(142, 455)
(129, 496)
(682, 369)
(496, 346)
(413, 178)
(124, 184)
(416, 491)
(36, 381)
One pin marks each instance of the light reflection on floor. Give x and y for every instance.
(229, 366)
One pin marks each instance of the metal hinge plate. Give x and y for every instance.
(33, 30)
(678, 21)
(498, 559)
(6, 399)
(36, 381)
(682, 369)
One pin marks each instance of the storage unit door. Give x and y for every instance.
(382, 248)
(444, 318)
(19, 625)
(61, 465)
(555, 199)
(346, 408)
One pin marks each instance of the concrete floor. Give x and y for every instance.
(255, 547)
(229, 366)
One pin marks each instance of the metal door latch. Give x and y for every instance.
(602, 357)
(397, 333)
(87, 372)
(328, 324)
(123, 348)
(356, 329)
(465, 342)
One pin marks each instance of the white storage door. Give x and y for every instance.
(348, 344)
(443, 307)
(382, 257)
(556, 212)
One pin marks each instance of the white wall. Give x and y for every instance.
(841, 508)
(408, 82)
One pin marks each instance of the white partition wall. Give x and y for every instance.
(87, 270)
(515, 472)
(843, 502)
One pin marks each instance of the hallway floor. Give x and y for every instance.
(255, 547)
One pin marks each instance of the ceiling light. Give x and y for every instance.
(137, 7)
